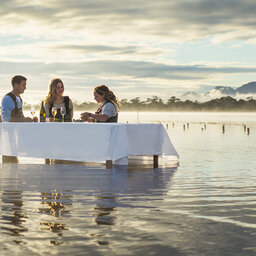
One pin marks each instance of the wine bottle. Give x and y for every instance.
(42, 113)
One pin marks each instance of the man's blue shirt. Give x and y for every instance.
(7, 107)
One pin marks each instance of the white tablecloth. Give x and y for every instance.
(84, 141)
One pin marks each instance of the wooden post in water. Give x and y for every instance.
(172, 124)
(167, 126)
(248, 131)
(244, 128)
(205, 126)
(188, 125)
(47, 161)
(184, 127)
(109, 164)
(155, 161)
(223, 128)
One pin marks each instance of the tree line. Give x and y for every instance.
(173, 104)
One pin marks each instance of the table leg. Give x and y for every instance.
(10, 159)
(47, 161)
(155, 161)
(109, 164)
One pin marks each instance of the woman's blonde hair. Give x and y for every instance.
(103, 90)
(52, 90)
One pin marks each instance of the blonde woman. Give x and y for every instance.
(55, 99)
(109, 106)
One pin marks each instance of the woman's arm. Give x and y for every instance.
(99, 117)
(86, 116)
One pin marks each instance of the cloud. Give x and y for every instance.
(99, 48)
(51, 52)
(174, 20)
(132, 69)
(135, 46)
(109, 50)
(126, 77)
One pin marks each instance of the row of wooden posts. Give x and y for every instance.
(186, 126)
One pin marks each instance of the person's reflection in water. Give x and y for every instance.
(12, 214)
(138, 180)
(55, 204)
(105, 205)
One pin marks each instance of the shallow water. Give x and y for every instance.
(205, 206)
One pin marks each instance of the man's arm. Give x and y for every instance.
(7, 108)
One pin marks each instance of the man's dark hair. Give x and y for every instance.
(18, 79)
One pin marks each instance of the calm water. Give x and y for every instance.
(205, 206)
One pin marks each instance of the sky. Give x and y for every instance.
(140, 49)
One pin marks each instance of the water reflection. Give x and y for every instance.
(55, 204)
(105, 205)
(75, 205)
(113, 190)
(13, 216)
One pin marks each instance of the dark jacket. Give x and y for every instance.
(112, 119)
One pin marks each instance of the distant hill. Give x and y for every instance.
(243, 91)
(225, 90)
(191, 96)
(221, 90)
(249, 88)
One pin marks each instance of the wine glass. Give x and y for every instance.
(63, 112)
(33, 111)
(54, 111)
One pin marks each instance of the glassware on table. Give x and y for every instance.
(33, 111)
(54, 111)
(63, 112)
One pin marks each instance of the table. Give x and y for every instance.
(87, 142)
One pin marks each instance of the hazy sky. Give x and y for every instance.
(137, 48)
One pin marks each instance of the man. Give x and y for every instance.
(12, 102)
(12, 108)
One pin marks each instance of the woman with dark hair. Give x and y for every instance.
(109, 106)
(56, 106)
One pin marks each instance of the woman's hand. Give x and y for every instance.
(85, 116)
(91, 120)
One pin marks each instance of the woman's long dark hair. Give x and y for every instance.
(52, 87)
(103, 90)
